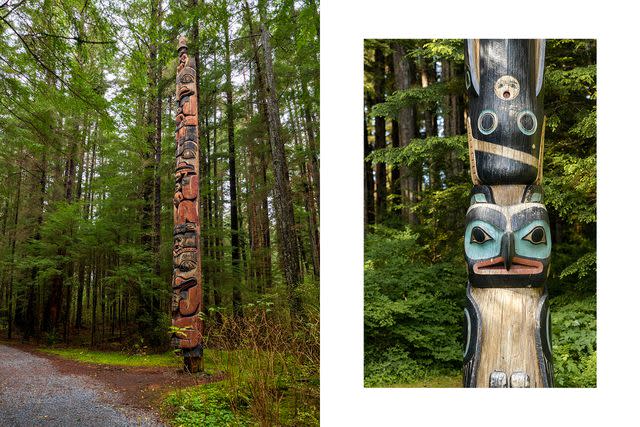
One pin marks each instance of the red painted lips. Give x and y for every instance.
(518, 266)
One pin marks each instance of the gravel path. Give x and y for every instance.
(34, 393)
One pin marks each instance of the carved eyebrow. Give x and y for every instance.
(524, 217)
(481, 212)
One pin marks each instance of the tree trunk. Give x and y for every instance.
(12, 254)
(409, 175)
(289, 251)
(369, 204)
(380, 140)
(235, 238)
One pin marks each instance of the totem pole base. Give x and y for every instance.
(193, 360)
(508, 334)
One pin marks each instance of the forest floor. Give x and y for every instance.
(38, 388)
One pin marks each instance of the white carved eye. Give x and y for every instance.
(478, 235)
(527, 122)
(487, 122)
(537, 236)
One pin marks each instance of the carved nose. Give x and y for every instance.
(507, 249)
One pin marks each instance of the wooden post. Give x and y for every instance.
(187, 278)
(507, 238)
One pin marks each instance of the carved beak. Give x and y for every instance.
(507, 247)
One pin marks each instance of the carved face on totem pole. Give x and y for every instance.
(507, 246)
(506, 119)
(186, 280)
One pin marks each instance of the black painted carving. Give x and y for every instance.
(507, 238)
(507, 246)
(506, 117)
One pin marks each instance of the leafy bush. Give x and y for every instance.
(413, 310)
(574, 342)
(392, 366)
(206, 405)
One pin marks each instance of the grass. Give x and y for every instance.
(436, 381)
(270, 374)
(114, 357)
(259, 387)
(214, 361)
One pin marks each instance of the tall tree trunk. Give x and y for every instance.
(409, 175)
(32, 314)
(287, 235)
(427, 76)
(12, 254)
(369, 205)
(233, 196)
(258, 197)
(380, 138)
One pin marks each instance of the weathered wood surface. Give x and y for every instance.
(507, 238)
(187, 277)
(508, 331)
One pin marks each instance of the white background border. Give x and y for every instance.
(344, 25)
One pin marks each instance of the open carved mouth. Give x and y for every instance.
(185, 90)
(518, 266)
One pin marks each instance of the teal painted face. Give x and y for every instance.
(507, 246)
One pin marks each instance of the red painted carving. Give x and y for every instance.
(187, 278)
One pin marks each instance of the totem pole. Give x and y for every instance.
(507, 240)
(187, 279)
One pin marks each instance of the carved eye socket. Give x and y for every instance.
(537, 236)
(186, 78)
(487, 122)
(527, 122)
(187, 265)
(478, 235)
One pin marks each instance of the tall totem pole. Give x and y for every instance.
(507, 239)
(187, 278)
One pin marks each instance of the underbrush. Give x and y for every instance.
(270, 371)
(574, 342)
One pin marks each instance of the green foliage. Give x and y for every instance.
(412, 309)
(574, 342)
(571, 191)
(269, 373)
(392, 366)
(427, 97)
(439, 49)
(583, 267)
(421, 150)
(115, 358)
(206, 405)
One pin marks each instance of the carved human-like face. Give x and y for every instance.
(186, 82)
(185, 257)
(507, 246)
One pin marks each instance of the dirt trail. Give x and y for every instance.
(38, 390)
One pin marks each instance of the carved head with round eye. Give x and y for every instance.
(186, 82)
(506, 117)
(507, 246)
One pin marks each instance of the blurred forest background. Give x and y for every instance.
(417, 187)
(87, 109)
